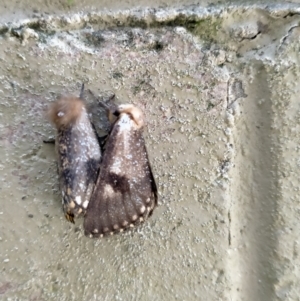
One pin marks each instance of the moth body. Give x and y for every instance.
(78, 154)
(125, 193)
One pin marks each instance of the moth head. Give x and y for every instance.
(65, 111)
(134, 112)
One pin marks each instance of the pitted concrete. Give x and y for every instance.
(219, 87)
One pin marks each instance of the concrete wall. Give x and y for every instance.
(218, 83)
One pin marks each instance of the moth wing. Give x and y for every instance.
(79, 158)
(125, 193)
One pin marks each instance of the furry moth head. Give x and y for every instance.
(125, 193)
(78, 154)
(133, 112)
(66, 111)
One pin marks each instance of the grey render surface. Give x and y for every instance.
(218, 83)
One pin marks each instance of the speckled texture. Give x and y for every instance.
(219, 88)
(78, 154)
(126, 192)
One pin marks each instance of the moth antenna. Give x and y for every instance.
(111, 115)
(104, 105)
(81, 91)
(112, 97)
(135, 113)
(65, 111)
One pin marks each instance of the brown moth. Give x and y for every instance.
(78, 154)
(125, 193)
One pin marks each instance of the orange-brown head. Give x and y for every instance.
(134, 112)
(65, 111)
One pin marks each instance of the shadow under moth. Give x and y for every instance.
(115, 190)
(78, 154)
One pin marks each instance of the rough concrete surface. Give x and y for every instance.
(219, 86)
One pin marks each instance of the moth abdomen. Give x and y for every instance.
(125, 193)
(78, 154)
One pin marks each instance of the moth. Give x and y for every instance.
(125, 193)
(78, 154)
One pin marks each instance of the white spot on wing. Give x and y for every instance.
(108, 190)
(142, 209)
(116, 166)
(85, 204)
(78, 200)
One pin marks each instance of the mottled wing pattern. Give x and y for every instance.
(125, 193)
(78, 165)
